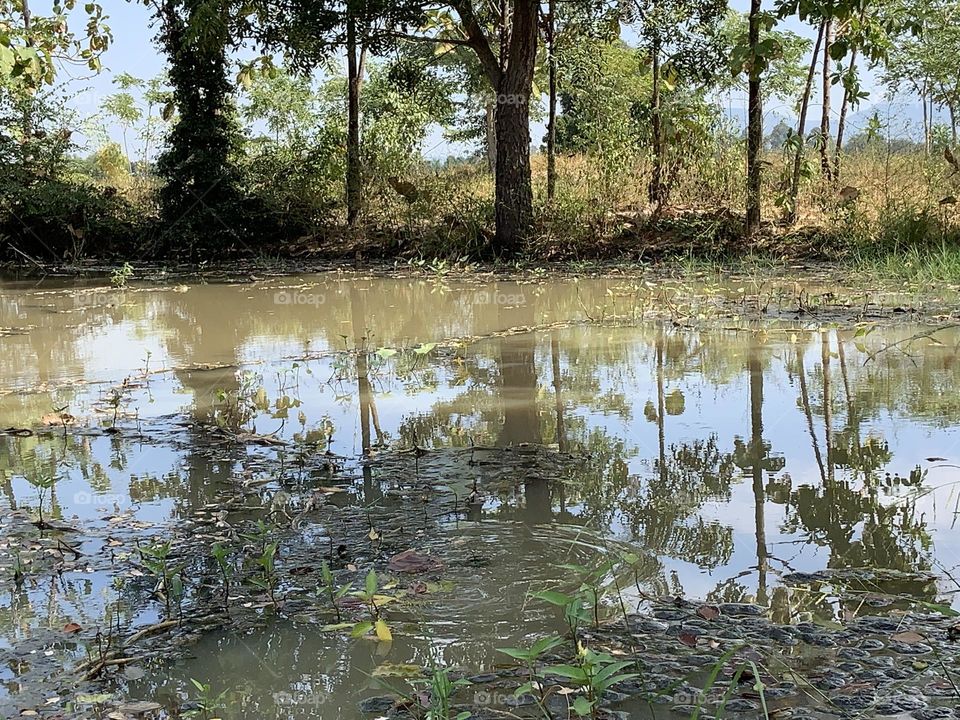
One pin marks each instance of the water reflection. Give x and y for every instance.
(730, 460)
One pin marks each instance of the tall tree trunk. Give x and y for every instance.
(552, 109)
(514, 193)
(841, 122)
(791, 216)
(825, 165)
(490, 129)
(953, 123)
(656, 190)
(755, 127)
(354, 173)
(926, 120)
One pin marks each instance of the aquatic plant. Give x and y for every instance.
(264, 574)
(121, 275)
(208, 704)
(221, 554)
(169, 579)
(594, 673)
(529, 658)
(331, 591)
(373, 602)
(43, 480)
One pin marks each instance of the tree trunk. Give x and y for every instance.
(953, 124)
(490, 129)
(755, 127)
(354, 174)
(841, 122)
(926, 120)
(791, 216)
(656, 190)
(514, 193)
(825, 165)
(552, 110)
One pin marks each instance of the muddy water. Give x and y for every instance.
(726, 441)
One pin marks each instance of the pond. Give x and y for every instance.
(739, 444)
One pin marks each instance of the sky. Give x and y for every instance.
(135, 52)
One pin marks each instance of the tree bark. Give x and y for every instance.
(754, 127)
(514, 192)
(825, 165)
(656, 191)
(552, 110)
(490, 128)
(354, 173)
(791, 216)
(926, 120)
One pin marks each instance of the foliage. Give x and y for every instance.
(200, 201)
(32, 46)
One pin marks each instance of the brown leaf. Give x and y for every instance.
(71, 628)
(410, 561)
(688, 639)
(909, 637)
(708, 612)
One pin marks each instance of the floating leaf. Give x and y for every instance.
(383, 631)
(909, 637)
(399, 670)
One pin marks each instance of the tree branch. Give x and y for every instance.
(477, 40)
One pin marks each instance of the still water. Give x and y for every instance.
(728, 451)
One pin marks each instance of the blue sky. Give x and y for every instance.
(134, 52)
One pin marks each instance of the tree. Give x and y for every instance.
(31, 45)
(311, 31)
(684, 40)
(200, 198)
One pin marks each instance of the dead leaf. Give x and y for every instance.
(909, 637)
(71, 628)
(59, 418)
(708, 612)
(688, 639)
(410, 561)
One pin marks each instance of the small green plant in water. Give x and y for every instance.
(43, 480)
(441, 689)
(264, 575)
(373, 602)
(529, 658)
(594, 674)
(169, 585)
(121, 275)
(332, 593)
(221, 555)
(208, 704)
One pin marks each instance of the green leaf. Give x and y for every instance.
(571, 672)
(582, 707)
(361, 629)
(371, 583)
(553, 597)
